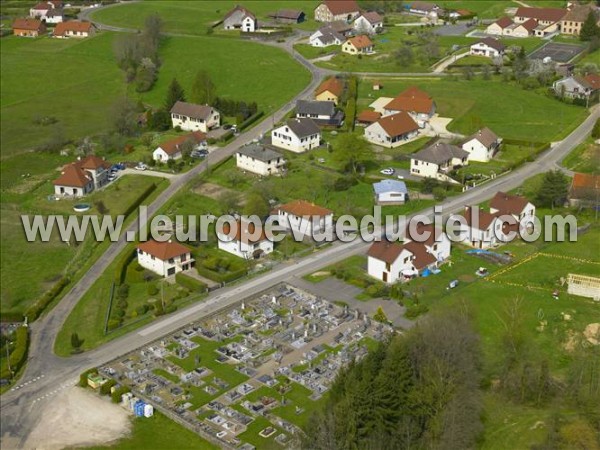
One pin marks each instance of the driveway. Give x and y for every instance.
(148, 173)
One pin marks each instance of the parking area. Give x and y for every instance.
(561, 53)
(453, 30)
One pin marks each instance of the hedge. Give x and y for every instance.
(143, 196)
(250, 120)
(19, 354)
(83, 377)
(191, 284)
(220, 277)
(36, 310)
(118, 393)
(122, 265)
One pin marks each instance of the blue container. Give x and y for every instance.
(138, 409)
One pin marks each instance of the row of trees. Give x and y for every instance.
(138, 55)
(419, 390)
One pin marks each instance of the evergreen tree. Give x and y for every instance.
(589, 29)
(175, 94)
(553, 190)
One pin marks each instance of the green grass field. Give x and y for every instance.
(584, 158)
(507, 109)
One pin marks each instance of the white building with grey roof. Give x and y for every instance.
(322, 112)
(437, 160)
(482, 145)
(259, 159)
(192, 117)
(390, 192)
(297, 135)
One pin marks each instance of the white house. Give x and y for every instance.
(368, 23)
(392, 130)
(483, 229)
(436, 161)
(82, 177)
(489, 47)
(500, 27)
(333, 10)
(244, 241)
(415, 102)
(321, 112)
(518, 207)
(54, 16)
(239, 18)
(482, 145)
(258, 159)
(427, 9)
(297, 135)
(358, 45)
(41, 10)
(304, 218)
(191, 117)
(392, 262)
(577, 87)
(164, 258)
(74, 29)
(547, 19)
(390, 192)
(326, 36)
(434, 239)
(173, 148)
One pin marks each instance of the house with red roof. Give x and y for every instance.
(164, 258)
(330, 90)
(332, 10)
(82, 177)
(173, 148)
(392, 130)
(547, 19)
(244, 239)
(74, 29)
(358, 45)
(585, 190)
(47, 9)
(304, 218)
(28, 27)
(483, 229)
(415, 102)
(490, 47)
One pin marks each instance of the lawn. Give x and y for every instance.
(514, 113)
(310, 52)
(158, 432)
(195, 18)
(584, 158)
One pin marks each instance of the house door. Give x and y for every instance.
(385, 277)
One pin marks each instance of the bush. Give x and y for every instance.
(118, 393)
(596, 130)
(439, 193)
(250, 120)
(344, 183)
(414, 311)
(142, 309)
(105, 388)
(152, 289)
(220, 277)
(113, 324)
(190, 283)
(123, 291)
(40, 305)
(18, 356)
(83, 378)
(122, 265)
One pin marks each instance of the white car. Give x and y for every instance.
(141, 166)
(401, 177)
(388, 171)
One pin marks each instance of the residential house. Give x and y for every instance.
(191, 117)
(304, 218)
(506, 27)
(323, 113)
(390, 192)
(572, 22)
(489, 47)
(173, 148)
(239, 18)
(392, 262)
(330, 90)
(368, 23)
(325, 37)
(28, 27)
(259, 159)
(499, 27)
(245, 240)
(515, 206)
(342, 27)
(41, 10)
(585, 191)
(332, 10)
(164, 258)
(437, 160)
(482, 145)
(74, 29)
(434, 239)
(427, 9)
(548, 19)
(483, 229)
(576, 87)
(392, 130)
(358, 45)
(288, 16)
(415, 102)
(297, 135)
(81, 177)
(367, 117)
(54, 16)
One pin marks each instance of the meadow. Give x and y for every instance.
(510, 111)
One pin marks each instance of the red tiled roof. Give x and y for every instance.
(508, 204)
(333, 85)
(372, 17)
(342, 6)
(529, 24)
(485, 218)
(27, 24)
(163, 250)
(361, 41)
(244, 232)
(398, 124)
(412, 99)
(303, 208)
(586, 180)
(421, 229)
(593, 79)
(385, 251)
(172, 146)
(494, 43)
(504, 22)
(75, 174)
(72, 25)
(93, 162)
(368, 116)
(43, 6)
(549, 14)
(422, 258)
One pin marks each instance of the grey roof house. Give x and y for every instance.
(323, 113)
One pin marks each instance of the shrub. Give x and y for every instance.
(40, 305)
(190, 283)
(250, 120)
(414, 311)
(142, 309)
(152, 289)
(123, 291)
(113, 324)
(122, 265)
(344, 183)
(105, 388)
(118, 393)
(83, 378)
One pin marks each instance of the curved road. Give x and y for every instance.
(46, 373)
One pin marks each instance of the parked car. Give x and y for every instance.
(141, 166)
(388, 171)
(401, 177)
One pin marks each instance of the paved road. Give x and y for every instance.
(45, 371)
